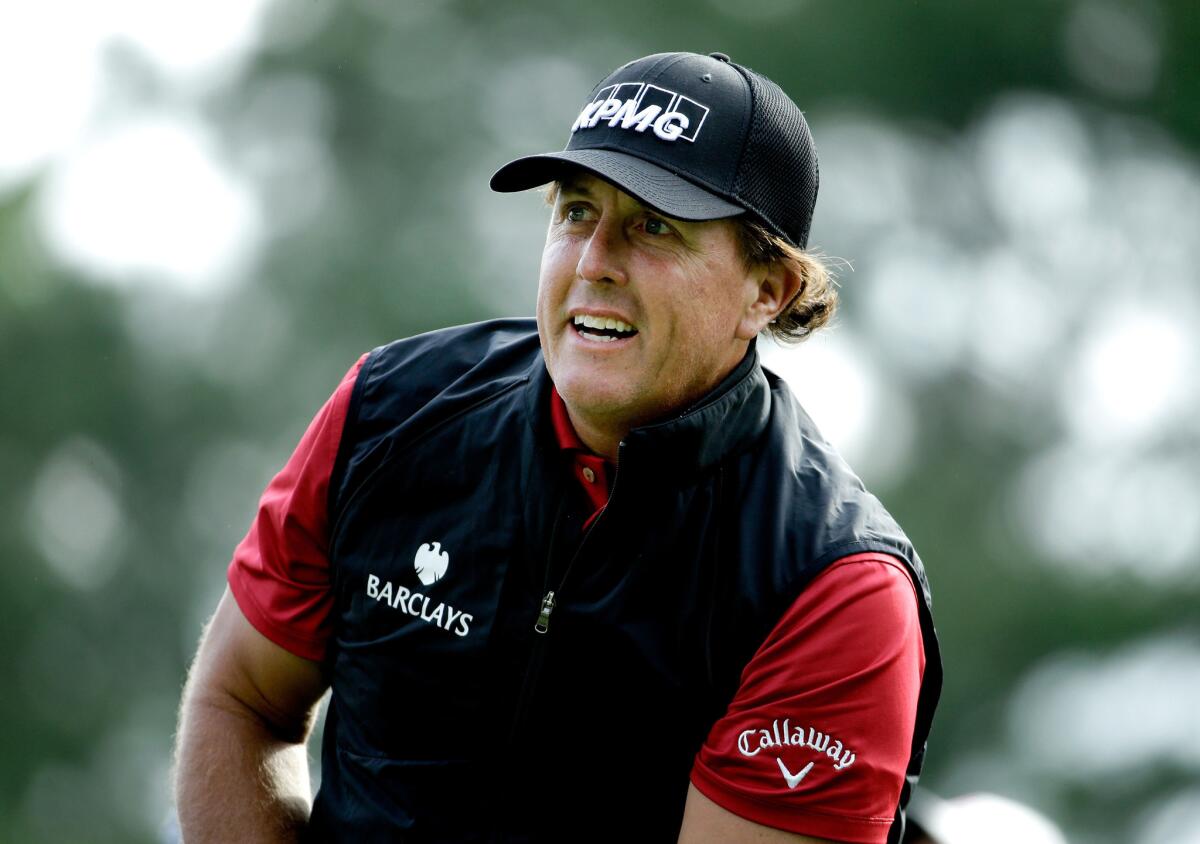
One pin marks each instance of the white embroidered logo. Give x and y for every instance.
(418, 606)
(640, 106)
(430, 564)
(791, 779)
(782, 734)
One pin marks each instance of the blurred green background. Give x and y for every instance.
(208, 212)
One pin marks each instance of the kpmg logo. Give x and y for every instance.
(640, 106)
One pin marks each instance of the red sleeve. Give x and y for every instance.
(280, 571)
(817, 738)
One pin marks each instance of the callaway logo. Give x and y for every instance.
(430, 565)
(793, 780)
(753, 741)
(639, 106)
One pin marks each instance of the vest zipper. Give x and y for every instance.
(542, 625)
(533, 668)
(550, 599)
(543, 622)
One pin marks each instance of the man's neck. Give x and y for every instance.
(600, 439)
(603, 436)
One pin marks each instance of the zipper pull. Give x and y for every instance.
(543, 622)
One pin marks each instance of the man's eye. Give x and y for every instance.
(656, 226)
(575, 214)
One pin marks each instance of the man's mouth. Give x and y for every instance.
(604, 329)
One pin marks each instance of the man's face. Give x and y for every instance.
(673, 300)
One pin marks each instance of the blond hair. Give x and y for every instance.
(814, 304)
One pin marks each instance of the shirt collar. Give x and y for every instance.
(723, 422)
(564, 431)
(590, 470)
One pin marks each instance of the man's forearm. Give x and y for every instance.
(236, 780)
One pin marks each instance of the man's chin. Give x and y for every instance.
(593, 399)
(596, 397)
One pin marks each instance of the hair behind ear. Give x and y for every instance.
(814, 304)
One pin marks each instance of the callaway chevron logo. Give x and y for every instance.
(791, 779)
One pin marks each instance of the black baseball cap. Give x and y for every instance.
(696, 137)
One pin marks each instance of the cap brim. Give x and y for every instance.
(653, 185)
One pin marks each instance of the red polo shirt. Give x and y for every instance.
(816, 739)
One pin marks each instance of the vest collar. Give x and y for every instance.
(723, 422)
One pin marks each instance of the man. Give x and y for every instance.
(601, 580)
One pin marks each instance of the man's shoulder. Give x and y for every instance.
(459, 347)
(801, 451)
(431, 376)
(499, 348)
(817, 490)
(411, 387)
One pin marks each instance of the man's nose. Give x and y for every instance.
(604, 253)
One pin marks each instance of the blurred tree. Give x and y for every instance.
(140, 420)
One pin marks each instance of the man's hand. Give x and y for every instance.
(704, 822)
(241, 762)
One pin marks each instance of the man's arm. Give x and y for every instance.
(704, 822)
(241, 761)
(817, 739)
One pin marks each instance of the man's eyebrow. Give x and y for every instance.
(574, 185)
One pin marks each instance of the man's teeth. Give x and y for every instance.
(589, 321)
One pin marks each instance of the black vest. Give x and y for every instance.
(451, 718)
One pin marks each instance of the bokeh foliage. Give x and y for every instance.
(180, 406)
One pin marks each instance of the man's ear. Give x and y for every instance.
(771, 290)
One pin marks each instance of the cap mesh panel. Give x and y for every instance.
(778, 175)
